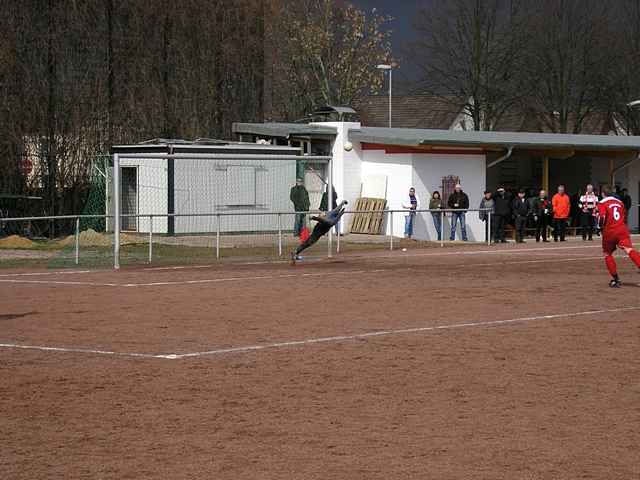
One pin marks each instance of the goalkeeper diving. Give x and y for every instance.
(325, 223)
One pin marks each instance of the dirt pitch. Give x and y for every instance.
(514, 362)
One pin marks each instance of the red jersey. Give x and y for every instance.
(611, 214)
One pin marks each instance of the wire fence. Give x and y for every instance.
(85, 240)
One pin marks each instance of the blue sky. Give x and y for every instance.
(403, 12)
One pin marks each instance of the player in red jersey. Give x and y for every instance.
(615, 234)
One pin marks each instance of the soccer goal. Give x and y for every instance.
(190, 202)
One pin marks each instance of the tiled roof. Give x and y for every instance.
(408, 111)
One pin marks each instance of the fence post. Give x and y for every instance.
(77, 240)
(442, 228)
(150, 238)
(339, 227)
(279, 234)
(116, 211)
(391, 230)
(218, 236)
(489, 228)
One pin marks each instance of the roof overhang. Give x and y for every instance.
(283, 130)
(180, 148)
(544, 143)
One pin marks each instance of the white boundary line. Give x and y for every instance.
(371, 256)
(87, 350)
(318, 340)
(58, 282)
(58, 272)
(342, 338)
(279, 276)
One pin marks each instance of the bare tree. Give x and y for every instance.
(468, 52)
(567, 61)
(622, 79)
(326, 54)
(76, 77)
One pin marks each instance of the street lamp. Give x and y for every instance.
(388, 68)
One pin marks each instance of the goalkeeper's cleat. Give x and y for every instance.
(615, 283)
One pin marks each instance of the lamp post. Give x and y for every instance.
(388, 68)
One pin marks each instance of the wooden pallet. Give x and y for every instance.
(372, 222)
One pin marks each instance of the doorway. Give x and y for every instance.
(129, 198)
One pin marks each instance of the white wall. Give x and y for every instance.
(347, 167)
(424, 172)
(204, 186)
(201, 187)
(152, 191)
(398, 169)
(628, 177)
(428, 171)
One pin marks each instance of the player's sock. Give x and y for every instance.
(635, 257)
(611, 266)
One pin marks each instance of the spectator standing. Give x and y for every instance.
(561, 206)
(458, 200)
(575, 214)
(300, 199)
(486, 212)
(541, 215)
(324, 204)
(412, 205)
(502, 212)
(436, 204)
(520, 208)
(627, 202)
(588, 204)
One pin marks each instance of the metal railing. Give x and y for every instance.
(277, 230)
(279, 227)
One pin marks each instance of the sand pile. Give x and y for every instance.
(88, 238)
(91, 238)
(15, 241)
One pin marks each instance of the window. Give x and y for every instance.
(240, 188)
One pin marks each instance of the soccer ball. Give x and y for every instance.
(348, 146)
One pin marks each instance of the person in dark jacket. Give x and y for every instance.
(324, 204)
(541, 211)
(520, 208)
(458, 200)
(300, 199)
(502, 213)
(627, 202)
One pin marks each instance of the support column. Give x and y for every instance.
(171, 197)
(116, 211)
(612, 173)
(545, 174)
(330, 207)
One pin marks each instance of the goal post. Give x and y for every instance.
(187, 194)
